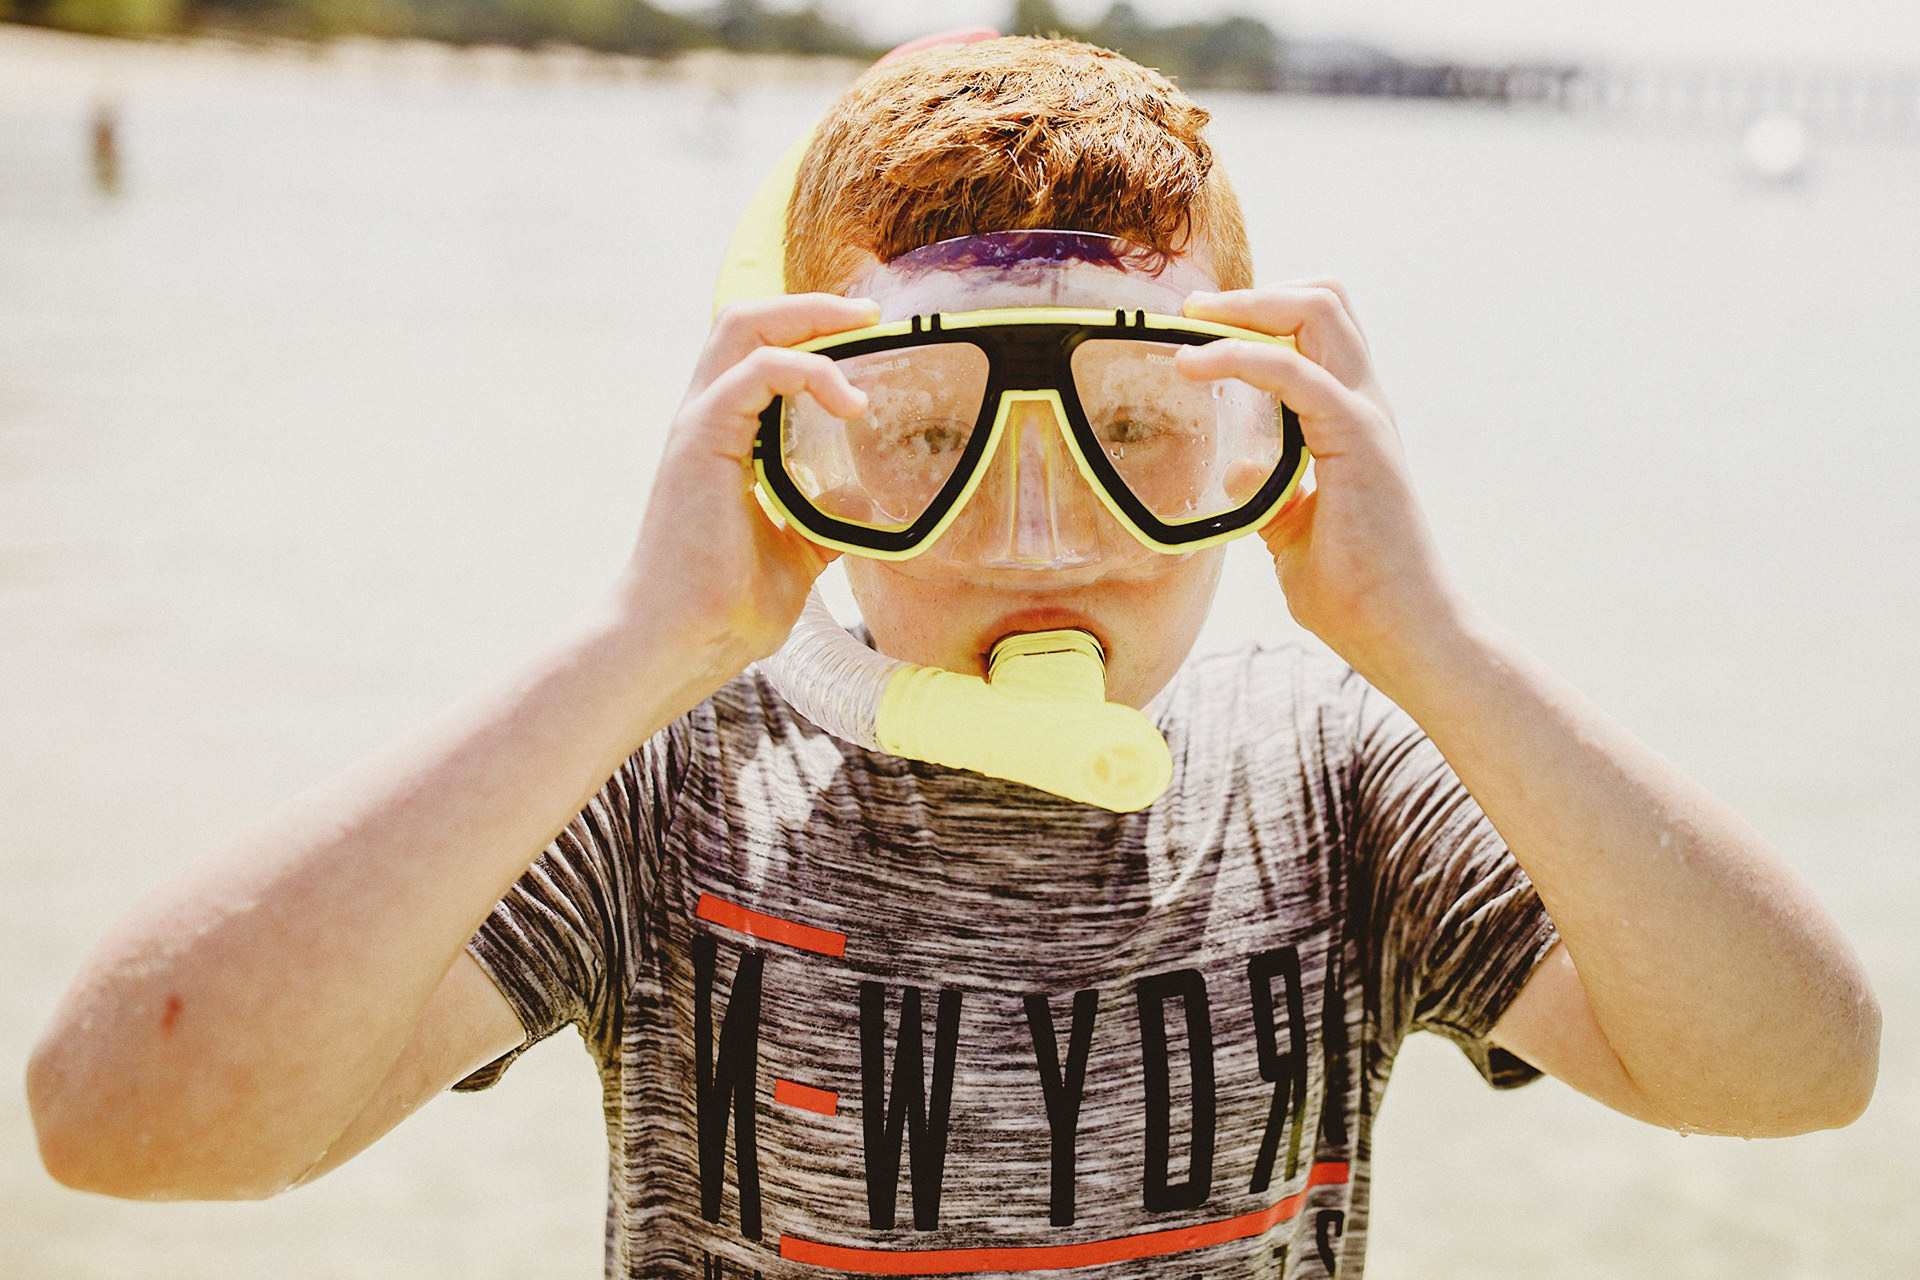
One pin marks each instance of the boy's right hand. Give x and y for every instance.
(277, 1005)
(708, 562)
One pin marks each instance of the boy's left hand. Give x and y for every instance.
(1354, 556)
(1677, 920)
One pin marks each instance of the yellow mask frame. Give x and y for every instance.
(1018, 342)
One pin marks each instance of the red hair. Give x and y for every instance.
(1018, 133)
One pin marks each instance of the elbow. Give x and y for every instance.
(61, 1122)
(1844, 1086)
(1765, 1089)
(1835, 1087)
(108, 1151)
(1857, 1068)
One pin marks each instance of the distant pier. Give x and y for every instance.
(1835, 101)
(1848, 101)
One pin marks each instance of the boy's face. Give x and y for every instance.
(944, 611)
(1146, 620)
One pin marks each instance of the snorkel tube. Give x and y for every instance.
(1041, 715)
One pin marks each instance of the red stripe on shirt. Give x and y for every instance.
(1057, 1257)
(756, 924)
(806, 1097)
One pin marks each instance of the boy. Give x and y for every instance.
(861, 1014)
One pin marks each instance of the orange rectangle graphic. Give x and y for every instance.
(804, 1096)
(1057, 1257)
(758, 924)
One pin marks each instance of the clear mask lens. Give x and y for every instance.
(1185, 451)
(884, 468)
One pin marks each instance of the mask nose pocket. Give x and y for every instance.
(1033, 509)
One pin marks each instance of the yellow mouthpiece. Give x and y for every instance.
(1041, 717)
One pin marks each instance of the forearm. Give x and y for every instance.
(232, 1024)
(1729, 995)
(1716, 980)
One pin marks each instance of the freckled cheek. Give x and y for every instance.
(1173, 479)
(1244, 479)
(1152, 625)
(1148, 644)
(913, 619)
(902, 483)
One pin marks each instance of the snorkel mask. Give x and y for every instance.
(1025, 426)
(1025, 415)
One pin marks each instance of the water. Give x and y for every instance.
(351, 394)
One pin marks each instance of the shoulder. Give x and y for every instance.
(695, 764)
(1261, 687)
(1268, 729)
(752, 747)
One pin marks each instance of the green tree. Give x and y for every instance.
(1227, 53)
(116, 17)
(751, 27)
(1122, 26)
(654, 32)
(1234, 53)
(325, 18)
(1037, 18)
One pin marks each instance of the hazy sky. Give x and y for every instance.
(1820, 30)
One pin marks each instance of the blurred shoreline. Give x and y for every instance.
(37, 62)
(1876, 102)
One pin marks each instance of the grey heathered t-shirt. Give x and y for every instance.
(860, 1015)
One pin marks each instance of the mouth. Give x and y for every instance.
(1027, 581)
(1026, 621)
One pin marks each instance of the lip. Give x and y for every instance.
(1047, 581)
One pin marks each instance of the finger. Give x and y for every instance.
(1334, 418)
(1291, 522)
(1337, 288)
(726, 416)
(776, 322)
(1314, 315)
(796, 547)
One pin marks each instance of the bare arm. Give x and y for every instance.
(1701, 985)
(230, 1031)
(1727, 995)
(467, 1023)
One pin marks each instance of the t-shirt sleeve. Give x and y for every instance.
(1454, 923)
(562, 944)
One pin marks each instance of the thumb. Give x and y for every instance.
(1292, 523)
